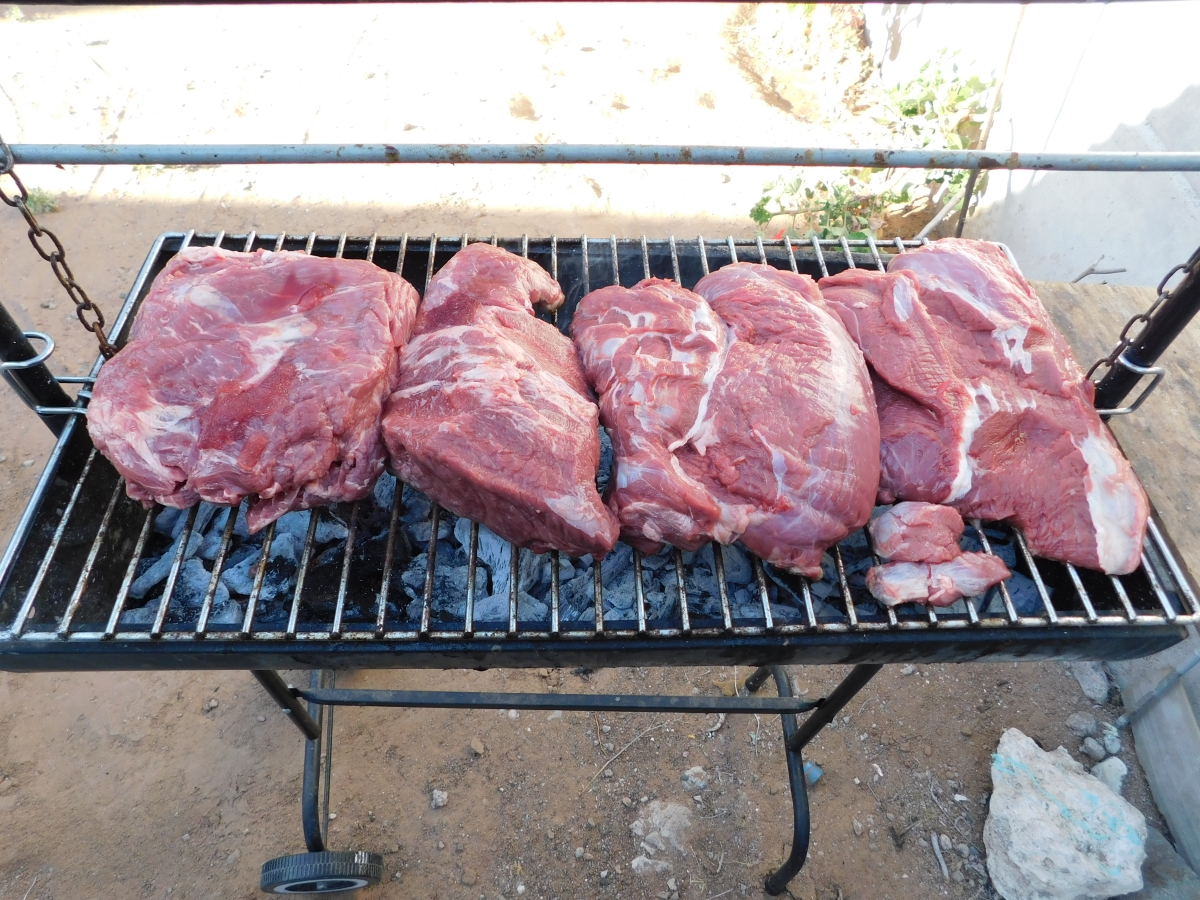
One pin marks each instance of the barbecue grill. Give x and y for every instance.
(74, 595)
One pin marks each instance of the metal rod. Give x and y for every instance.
(566, 702)
(389, 557)
(832, 705)
(315, 818)
(256, 586)
(288, 702)
(1177, 309)
(64, 624)
(218, 565)
(637, 154)
(33, 381)
(130, 571)
(966, 203)
(185, 538)
(344, 581)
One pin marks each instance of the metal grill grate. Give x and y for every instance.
(82, 549)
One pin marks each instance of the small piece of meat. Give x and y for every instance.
(982, 407)
(917, 532)
(492, 417)
(937, 584)
(739, 411)
(257, 375)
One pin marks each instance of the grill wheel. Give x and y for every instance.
(327, 872)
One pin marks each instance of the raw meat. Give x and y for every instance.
(740, 411)
(492, 417)
(917, 532)
(982, 406)
(937, 584)
(257, 375)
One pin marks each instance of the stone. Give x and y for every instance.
(579, 851)
(962, 850)
(477, 747)
(908, 669)
(669, 820)
(438, 799)
(1055, 833)
(694, 779)
(1166, 875)
(644, 865)
(213, 703)
(469, 877)
(1092, 679)
(672, 884)
(858, 827)
(1083, 724)
(1093, 748)
(1111, 772)
(1110, 738)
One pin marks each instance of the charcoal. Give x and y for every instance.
(494, 608)
(238, 576)
(385, 491)
(228, 613)
(576, 598)
(659, 561)
(744, 605)
(531, 609)
(420, 531)
(416, 506)
(618, 561)
(240, 528)
(1001, 546)
(449, 585)
(296, 523)
(619, 594)
(605, 467)
(157, 571)
(702, 558)
(782, 613)
(212, 541)
(566, 571)
(1025, 597)
(658, 604)
(450, 555)
(164, 522)
(737, 566)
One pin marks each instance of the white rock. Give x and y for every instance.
(1093, 748)
(694, 779)
(1110, 738)
(1112, 773)
(1083, 724)
(1092, 679)
(644, 865)
(670, 820)
(1055, 833)
(438, 799)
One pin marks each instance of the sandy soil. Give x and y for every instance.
(133, 785)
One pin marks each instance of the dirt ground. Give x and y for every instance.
(135, 785)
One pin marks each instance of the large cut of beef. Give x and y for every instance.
(982, 406)
(257, 375)
(739, 411)
(935, 584)
(492, 417)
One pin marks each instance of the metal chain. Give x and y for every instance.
(1125, 341)
(89, 313)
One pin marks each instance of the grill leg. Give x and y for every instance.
(314, 802)
(778, 880)
(288, 702)
(832, 705)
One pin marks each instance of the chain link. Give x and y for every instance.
(1125, 341)
(88, 313)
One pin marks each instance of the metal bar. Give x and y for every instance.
(722, 588)
(435, 516)
(675, 259)
(833, 704)
(598, 594)
(639, 595)
(1156, 586)
(344, 581)
(1181, 579)
(256, 587)
(787, 242)
(218, 565)
(1084, 597)
(844, 583)
(846, 252)
(587, 275)
(1177, 309)
(389, 556)
(310, 536)
(314, 818)
(645, 259)
(760, 579)
(514, 586)
(809, 612)
(1051, 613)
(875, 253)
(185, 538)
(1009, 609)
(1130, 612)
(554, 591)
(472, 567)
(64, 624)
(893, 620)
(816, 245)
(637, 154)
(139, 548)
(966, 202)
(565, 702)
(31, 378)
(616, 265)
(288, 702)
(703, 254)
(685, 618)
(762, 251)
(733, 257)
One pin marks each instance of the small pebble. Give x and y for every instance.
(608, 773)
(627, 802)
(441, 845)
(468, 877)
(604, 875)
(672, 884)
(1083, 724)
(966, 731)
(962, 850)
(579, 853)
(606, 728)
(944, 840)
(477, 747)
(513, 714)
(1093, 748)
(438, 799)
(186, 838)
(609, 747)
(909, 669)
(1111, 739)
(213, 704)
(27, 463)
(957, 876)
(262, 718)
(858, 827)
(520, 889)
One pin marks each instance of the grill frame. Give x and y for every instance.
(1109, 630)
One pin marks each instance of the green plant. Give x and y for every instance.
(40, 201)
(940, 109)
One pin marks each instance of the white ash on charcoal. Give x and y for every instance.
(191, 586)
